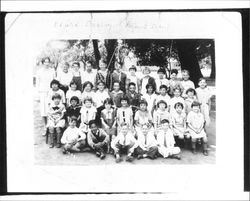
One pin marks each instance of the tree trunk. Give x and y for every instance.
(110, 46)
(97, 53)
(188, 59)
(212, 53)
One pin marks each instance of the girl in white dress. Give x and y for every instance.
(204, 97)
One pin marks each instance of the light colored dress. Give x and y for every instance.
(196, 120)
(203, 96)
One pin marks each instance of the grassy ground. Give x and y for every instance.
(46, 156)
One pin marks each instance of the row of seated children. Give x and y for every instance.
(112, 121)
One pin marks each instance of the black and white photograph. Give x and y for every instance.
(124, 102)
(144, 101)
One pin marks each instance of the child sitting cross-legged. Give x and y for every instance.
(73, 139)
(98, 139)
(124, 142)
(166, 142)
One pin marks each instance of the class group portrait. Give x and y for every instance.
(125, 100)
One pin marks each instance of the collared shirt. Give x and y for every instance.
(179, 119)
(56, 111)
(87, 114)
(116, 97)
(73, 111)
(159, 115)
(100, 136)
(51, 93)
(151, 99)
(124, 115)
(143, 117)
(134, 99)
(70, 135)
(108, 116)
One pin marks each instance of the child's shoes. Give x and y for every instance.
(118, 159)
(205, 152)
(129, 158)
(102, 156)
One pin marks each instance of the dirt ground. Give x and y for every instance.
(46, 156)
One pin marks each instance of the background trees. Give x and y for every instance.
(192, 54)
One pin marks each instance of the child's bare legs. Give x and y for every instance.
(205, 151)
(194, 140)
(51, 136)
(58, 136)
(45, 123)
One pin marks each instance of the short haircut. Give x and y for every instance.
(164, 86)
(178, 104)
(195, 103)
(56, 96)
(185, 71)
(162, 101)
(161, 70)
(146, 69)
(88, 99)
(177, 88)
(101, 82)
(124, 97)
(76, 63)
(91, 122)
(75, 98)
(72, 82)
(86, 83)
(143, 101)
(131, 84)
(191, 90)
(66, 64)
(202, 78)
(54, 82)
(132, 68)
(45, 58)
(73, 118)
(163, 121)
(150, 85)
(108, 101)
(174, 71)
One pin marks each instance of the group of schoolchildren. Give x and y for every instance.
(119, 113)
